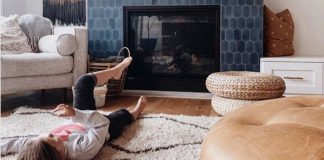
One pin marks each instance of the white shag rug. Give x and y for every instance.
(152, 136)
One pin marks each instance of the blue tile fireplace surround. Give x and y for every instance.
(241, 31)
(188, 44)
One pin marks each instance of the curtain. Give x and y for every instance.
(65, 12)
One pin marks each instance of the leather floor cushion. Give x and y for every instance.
(286, 128)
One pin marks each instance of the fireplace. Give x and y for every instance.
(174, 48)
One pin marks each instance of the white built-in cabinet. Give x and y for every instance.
(303, 75)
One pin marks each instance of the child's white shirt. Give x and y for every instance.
(81, 146)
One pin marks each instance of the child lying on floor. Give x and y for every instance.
(83, 138)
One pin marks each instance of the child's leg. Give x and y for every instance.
(115, 72)
(83, 97)
(121, 118)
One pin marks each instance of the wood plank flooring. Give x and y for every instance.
(51, 98)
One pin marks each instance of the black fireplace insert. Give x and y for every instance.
(174, 48)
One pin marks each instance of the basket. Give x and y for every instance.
(100, 93)
(114, 86)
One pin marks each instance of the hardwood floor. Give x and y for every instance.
(51, 98)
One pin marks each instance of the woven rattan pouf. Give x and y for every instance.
(234, 89)
(224, 106)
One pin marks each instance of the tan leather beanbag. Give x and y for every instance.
(285, 128)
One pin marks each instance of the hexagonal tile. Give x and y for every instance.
(246, 11)
(115, 34)
(258, 46)
(237, 11)
(229, 57)
(224, 67)
(90, 44)
(258, 22)
(101, 12)
(254, 11)
(254, 35)
(170, 2)
(225, 23)
(115, 12)
(249, 46)
(245, 34)
(233, 67)
(108, 12)
(111, 3)
(229, 34)
(233, 23)
(249, 23)
(119, 44)
(241, 67)
(237, 58)
(112, 23)
(250, 2)
(225, 46)
(241, 46)
(241, 2)
(229, 11)
(97, 45)
(177, 2)
(249, 67)
(101, 34)
(108, 34)
(225, 2)
(233, 46)
(237, 34)
(241, 23)
(233, 2)
(254, 58)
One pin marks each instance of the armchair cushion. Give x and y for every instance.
(64, 44)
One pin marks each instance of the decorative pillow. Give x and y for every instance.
(35, 27)
(13, 39)
(279, 33)
(64, 44)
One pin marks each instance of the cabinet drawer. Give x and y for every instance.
(300, 78)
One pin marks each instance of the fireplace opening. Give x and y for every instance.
(174, 48)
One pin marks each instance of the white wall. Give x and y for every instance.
(308, 16)
(21, 7)
(35, 7)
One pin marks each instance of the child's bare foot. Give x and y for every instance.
(141, 103)
(118, 70)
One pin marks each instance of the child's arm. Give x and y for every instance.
(79, 116)
(13, 146)
(89, 144)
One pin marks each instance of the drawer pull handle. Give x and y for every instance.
(293, 78)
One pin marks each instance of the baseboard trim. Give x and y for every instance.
(170, 94)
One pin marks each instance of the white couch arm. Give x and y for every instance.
(81, 53)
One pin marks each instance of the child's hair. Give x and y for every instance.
(38, 150)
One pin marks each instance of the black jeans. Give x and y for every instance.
(83, 99)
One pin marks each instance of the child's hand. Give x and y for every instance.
(64, 110)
